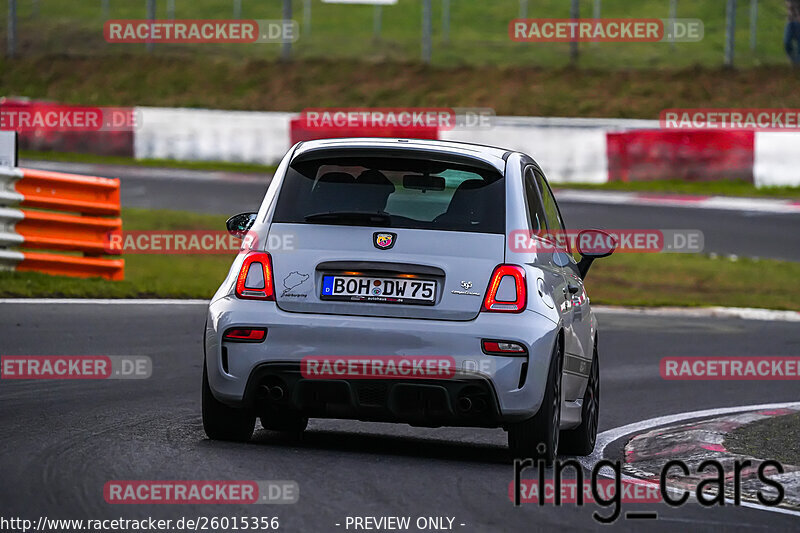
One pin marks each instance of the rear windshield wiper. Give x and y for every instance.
(377, 218)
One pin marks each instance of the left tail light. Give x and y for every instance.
(245, 335)
(506, 292)
(491, 347)
(255, 278)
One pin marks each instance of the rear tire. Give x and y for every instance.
(285, 422)
(581, 440)
(538, 436)
(222, 422)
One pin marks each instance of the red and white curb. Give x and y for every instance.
(726, 203)
(696, 442)
(605, 438)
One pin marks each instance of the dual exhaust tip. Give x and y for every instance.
(471, 405)
(275, 392)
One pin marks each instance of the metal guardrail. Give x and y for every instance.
(92, 209)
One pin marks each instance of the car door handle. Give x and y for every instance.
(573, 289)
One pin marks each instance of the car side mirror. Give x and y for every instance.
(239, 225)
(593, 244)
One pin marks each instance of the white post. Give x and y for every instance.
(574, 13)
(151, 15)
(11, 49)
(445, 20)
(307, 18)
(427, 30)
(377, 20)
(286, 45)
(673, 14)
(596, 13)
(730, 32)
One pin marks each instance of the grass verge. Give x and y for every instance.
(705, 188)
(622, 279)
(695, 280)
(73, 157)
(146, 275)
(776, 438)
(258, 84)
(478, 32)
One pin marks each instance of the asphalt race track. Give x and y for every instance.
(62, 440)
(744, 234)
(748, 234)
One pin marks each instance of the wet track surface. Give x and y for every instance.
(62, 440)
(744, 234)
(747, 234)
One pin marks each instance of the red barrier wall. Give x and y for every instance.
(87, 142)
(705, 155)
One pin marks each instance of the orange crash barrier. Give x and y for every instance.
(70, 265)
(93, 207)
(66, 232)
(68, 192)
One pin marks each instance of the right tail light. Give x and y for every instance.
(255, 278)
(506, 292)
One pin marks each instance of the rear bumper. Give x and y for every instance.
(458, 401)
(511, 387)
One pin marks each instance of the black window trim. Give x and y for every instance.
(572, 265)
(528, 165)
(550, 189)
(534, 168)
(525, 168)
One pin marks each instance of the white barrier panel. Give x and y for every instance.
(608, 124)
(10, 259)
(777, 159)
(211, 135)
(570, 150)
(8, 220)
(8, 194)
(565, 153)
(8, 149)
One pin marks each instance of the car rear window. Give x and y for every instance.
(404, 193)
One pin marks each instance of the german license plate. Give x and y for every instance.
(378, 290)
